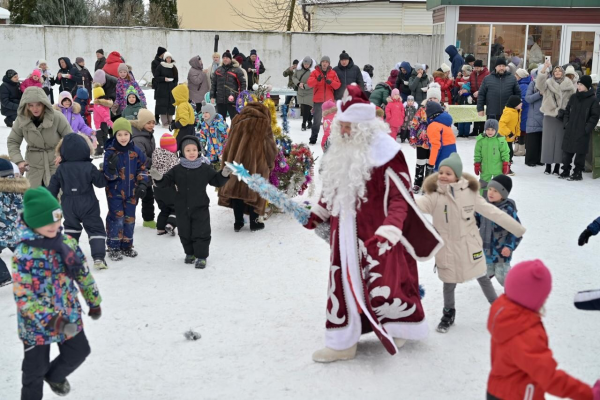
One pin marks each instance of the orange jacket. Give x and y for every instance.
(522, 362)
(439, 132)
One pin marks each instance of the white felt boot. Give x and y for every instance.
(327, 355)
(399, 342)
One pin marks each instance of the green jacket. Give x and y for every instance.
(491, 152)
(290, 75)
(379, 96)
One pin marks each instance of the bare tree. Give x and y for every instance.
(117, 13)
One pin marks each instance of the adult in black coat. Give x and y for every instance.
(86, 77)
(495, 90)
(226, 83)
(10, 96)
(77, 176)
(68, 76)
(158, 58)
(580, 119)
(100, 60)
(249, 66)
(166, 77)
(348, 73)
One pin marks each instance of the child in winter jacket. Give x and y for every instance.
(452, 199)
(442, 77)
(83, 99)
(522, 363)
(143, 138)
(498, 243)
(102, 121)
(12, 187)
(134, 105)
(125, 171)
(394, 113)
(212, 134)
(72, 111)
(410, 109)
(492, 156)
(190, 179)
(183, 125)
(35, 79)
(163, 159)
(329, 111)
(76, 176)
(123, 83)
(510, 123)
(420, 141)
(48, 310)
(440, 135)
(464, 97)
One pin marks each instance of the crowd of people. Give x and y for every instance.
(474, 232)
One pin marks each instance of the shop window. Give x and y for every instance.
(508, 41)
(475, 40)
(543, 40)
(581, 52)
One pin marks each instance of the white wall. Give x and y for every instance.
(138, 47)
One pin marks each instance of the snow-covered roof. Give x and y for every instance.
(4, 13)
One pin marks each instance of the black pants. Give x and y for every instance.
(404, 134)
(496, 117)
(239, 208)
(510, 148)
(194, 231)
(165, 200)
(37, 365)
(85, 210)
(579, 161)
(288, 99)
(148, 205)
(5, 275)
(307, 116)
(533, 144)
(422, 161)
(317, 117)
(223, 109)
(477, 128)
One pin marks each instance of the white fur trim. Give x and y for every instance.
(408, 330)
(359, 112)
(390, 174)
(392, 233)
(320, 212)
(383, 148)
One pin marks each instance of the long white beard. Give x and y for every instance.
(347, 165)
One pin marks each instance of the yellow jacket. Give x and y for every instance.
(510, 123)
(184, 113)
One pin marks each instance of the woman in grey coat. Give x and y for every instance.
(535, 119)
(305, 93)
(198, 82)
(418, 83)
(556, 90)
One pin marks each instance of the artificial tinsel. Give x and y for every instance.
(281, 167)
(284, 119)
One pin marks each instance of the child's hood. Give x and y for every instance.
(467, 181)
(444, 119)
(74, 147)
(508, 319)
(181, 94)
(75, 108)
(104, 102)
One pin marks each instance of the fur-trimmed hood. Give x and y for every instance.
(14, 185)
(467, 181)
(104, 102)
(439, 74)
(75, 107)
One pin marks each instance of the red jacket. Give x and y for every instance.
(322, 91)
(477, 79)
(112, 64)
(446, 85)
(394, 113)
(522, 363)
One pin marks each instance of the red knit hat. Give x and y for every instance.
(168, 142)
(354, 106)
(529, 284)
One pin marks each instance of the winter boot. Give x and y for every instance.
(556, 170)
(327, 355)
(170, 229)
(256, 226)
(190, 259)
(200, 263)
(100, 264)
(129, 253)
(303, 127)
(548, 169)
(150, 224)
(565, 174)
(238, 226)
(577, 176)
(115, 254)
(60, 389)
(399, 342)
(447, 320)
(309, 125)
(419, 175)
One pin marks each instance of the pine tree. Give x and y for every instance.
(61, 12)
(22, 11)
(163, 13)
(127, 12)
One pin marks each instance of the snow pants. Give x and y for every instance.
(194, 231)
(225, 109)
(148, 205)
(498, 270)
(85, 210)
(422, 161)
(37, 366)
(165, 198)
(394, 131)
(317, 120)
(120, 222)
(484, 179)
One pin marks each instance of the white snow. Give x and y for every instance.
(260, 308)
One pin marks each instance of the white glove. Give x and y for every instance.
(68, 76)
(168, 79)
(156, 175)
(226, 172)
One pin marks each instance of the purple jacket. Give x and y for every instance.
(72, 114)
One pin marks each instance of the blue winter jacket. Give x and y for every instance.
(500, 237)
(524, 84)
(131, 170)
(456, 60)
(11, 205)
(535, 117)
(76, 175)
(594, 227)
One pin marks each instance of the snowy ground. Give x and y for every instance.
(260, 308)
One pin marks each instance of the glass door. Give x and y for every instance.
(582, 47)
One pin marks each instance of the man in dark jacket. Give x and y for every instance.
(495, 91)
(227, 82)
(68, 76)
(86, 77)
(580, 119)
(348, 73)
(403, 78)
(155, 63)
(10, 96)
(456, 60)
(249, 66)
(100, 60)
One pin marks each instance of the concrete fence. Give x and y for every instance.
(25, 44)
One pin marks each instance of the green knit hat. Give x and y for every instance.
(131, 90)
(121, 124)
(454, 163)
(40, 208)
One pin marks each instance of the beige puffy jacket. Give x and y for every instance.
(462, 258)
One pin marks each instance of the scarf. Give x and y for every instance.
(73, 264)
(562, 78)
(121, 148)
(197, 163)
(486, 227)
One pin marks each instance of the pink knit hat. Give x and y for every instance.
(37, 73)
(395, 92)
(168, 142)
(327, 105)
(529, 284)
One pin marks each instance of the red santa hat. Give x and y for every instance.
(354, 106)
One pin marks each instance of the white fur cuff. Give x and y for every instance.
(320, 212)
(390, 232)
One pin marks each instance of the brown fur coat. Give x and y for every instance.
(251, 143)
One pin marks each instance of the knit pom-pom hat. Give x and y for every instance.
(529, 284)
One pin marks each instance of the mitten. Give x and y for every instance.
(175, 125)
(140, 191)
(328, 81)
(584, 237)
(95, 312)
(61, 324)
(477, 168)
(319, 78)
(226, 172)
(596, 390)
(156, 175)
(505, 167)
(112, 163)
